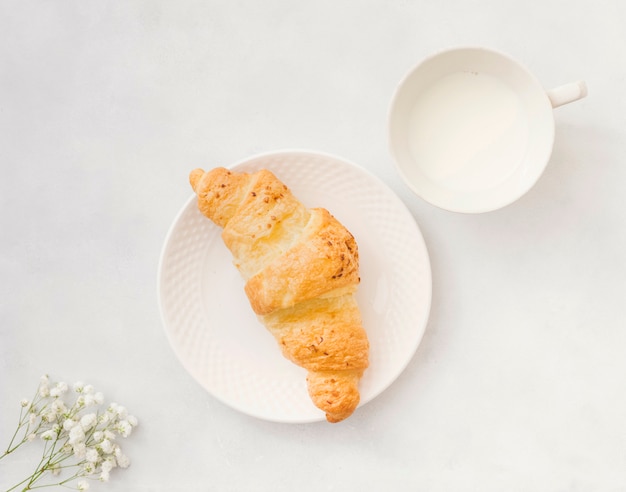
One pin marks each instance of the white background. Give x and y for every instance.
(520, 381)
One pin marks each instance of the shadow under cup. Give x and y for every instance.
(471, 130)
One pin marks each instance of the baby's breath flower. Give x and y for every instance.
(121, 412)
(44, 388)
(59, 390)
(89, 468)
(77, 434)
(48, 435)
(124, 428)
(44, 391)
(122, 461)
(72, 432)
(68, 424)
(106, 446)
(49, 416)
(58, 407)
(79, 450)
(89, 400)
(88, 421)
(108, 464)
(92, 455)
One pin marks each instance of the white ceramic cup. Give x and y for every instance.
(471, 130)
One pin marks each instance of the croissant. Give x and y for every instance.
(301, 268)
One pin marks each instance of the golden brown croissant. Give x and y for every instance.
(301, 268)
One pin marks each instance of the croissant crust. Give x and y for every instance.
(301, 268)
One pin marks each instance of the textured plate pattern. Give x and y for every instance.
(214, 332)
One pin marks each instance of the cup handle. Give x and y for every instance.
(567, 93)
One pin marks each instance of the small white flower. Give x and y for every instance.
(79, 450)
(48, 435)
(32, 418)
(124, 428)
(122, 461)
(88, 421)
(118, 410)
(44, 388)
(132, 420)
(98, 398)
(106, 446)
(108, 464)
(89, 400)
(77, 434)
(104, 418)
(24, 403)
(92, 455)
(89, 468)
(49, 416)
(59, 390)
(82, 485)
(121, 411)
(88, 389)
(44, 391)
(98, 436)
(69, 424)
(79, 386)
(104, 476)
(58, 407)
(109, 435)
(31, 437)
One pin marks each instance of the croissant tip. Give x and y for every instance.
(194, 177)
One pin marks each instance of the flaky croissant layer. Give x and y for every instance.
(301, 268)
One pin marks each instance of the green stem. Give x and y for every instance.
(44, 464)
(62, 483)
(24, 421)
(19, 426)
(18, 484)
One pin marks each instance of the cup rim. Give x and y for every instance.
(509, 198)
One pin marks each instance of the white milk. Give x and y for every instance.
(468, 132)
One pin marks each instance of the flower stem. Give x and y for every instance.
(23, 421)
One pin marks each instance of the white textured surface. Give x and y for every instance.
(214, 332)
(519, 382)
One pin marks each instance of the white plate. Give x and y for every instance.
(214, 332)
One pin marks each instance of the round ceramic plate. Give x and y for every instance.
(219, 340)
